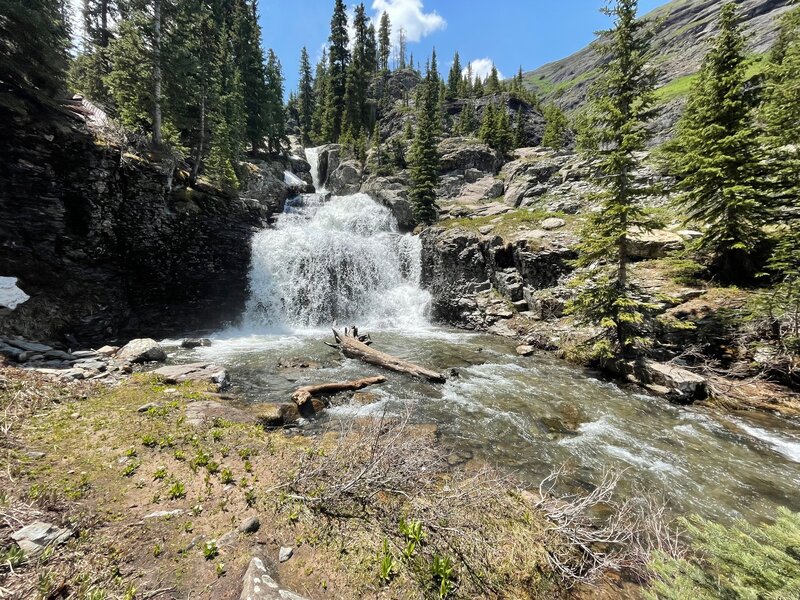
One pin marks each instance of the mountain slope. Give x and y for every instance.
(684, 30)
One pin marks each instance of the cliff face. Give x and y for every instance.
(684, 30)
(105, 248)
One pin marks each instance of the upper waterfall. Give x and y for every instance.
(336, 260)
(312, 156)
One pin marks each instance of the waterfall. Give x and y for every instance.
(339, 260)
(312, 156)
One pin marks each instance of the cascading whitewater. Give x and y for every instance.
(339, 260)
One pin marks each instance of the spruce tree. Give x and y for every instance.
(90, 67)
(488, 123)
(503, 134)
(250, 63)
(493, 81)
(556, 130)
(424, 156)
(277, 142)
(468, 120)
(454, 78)
(358, 78)
(321, 96)
(714, 154)
(621, 106)
(306, 105)
(520, 135)
(338, 60)
(33, 51)
(131, 74)
(384, 42)
(371, 51)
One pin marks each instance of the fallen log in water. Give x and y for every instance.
(305, 393)
(352, 346)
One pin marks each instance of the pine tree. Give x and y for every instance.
(338, 60)
(477, 88)
(468, 119)
(90, 67)
(384, 42)
(454, 78)
(424, 156)
(621, 106)
(277, 142)
(129, 81)
(715, 156)
(371, 51)
(493, 81)
(321, 96)
(306, 104)
(33, 51)
(488, 122)
(503, 134)
(358, 77)
(250, 63)
(556, 128)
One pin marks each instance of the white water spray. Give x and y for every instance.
(312, 156)
(339, 260)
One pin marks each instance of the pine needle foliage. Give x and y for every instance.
(741, 562)
(715, 155)
(424, 155)
(621, 105)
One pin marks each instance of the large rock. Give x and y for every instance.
(346, 179)
(142, 350)
(392, 192)
(203, 372)
(33, 539)
(258, 585)
(461, 154)
(530, 177)
(10, 295)
(681, 384)
(206, 411)
(656, 243)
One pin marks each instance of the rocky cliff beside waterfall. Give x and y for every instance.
(106, 242)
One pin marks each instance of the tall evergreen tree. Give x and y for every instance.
(714, 154)
(371, 50)
(338, 60)
(487, 133)
(322, 96)
(424, 156)
(250, 63)
(305, 98)
(130, 79)
(358, 78)
(468, 119)
(493, 81)
(621, 106)
(90, 67)
(454, 78)
(384, 42)
(33, 51)
(520, 135)
(277, 142)
(556, 129)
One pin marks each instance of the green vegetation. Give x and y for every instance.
(621, 106)
(424, 156)
(733, 562)
(556, 131)
(715, 154)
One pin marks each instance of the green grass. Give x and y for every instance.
(509, 222)
(680, 87)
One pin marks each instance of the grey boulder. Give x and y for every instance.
(142, 350)
(34, 538)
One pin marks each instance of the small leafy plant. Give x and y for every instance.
(226, 476)
(177, 491)
(442, 571)
(386, 564)
(210, 550)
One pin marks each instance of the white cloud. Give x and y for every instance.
(482, 67)
(411, 16)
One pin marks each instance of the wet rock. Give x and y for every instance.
(345, 179)
(26, 345)
(202, 372)
(285, 553)
(298, 363)
(683, 385)
(525, 350)
(34, 538)
(364, 398)
(142, 350)
(392, 192)
(195, 343)
(276, 415)
(11, 352)
(250, 525)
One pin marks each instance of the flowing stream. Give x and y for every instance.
(341, 260)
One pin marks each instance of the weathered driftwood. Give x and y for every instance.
(353, 346)
(305, 393)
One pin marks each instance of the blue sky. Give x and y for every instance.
(509, 33)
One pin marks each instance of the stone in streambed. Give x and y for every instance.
(142, 350)
(195, 343)
(204, 372)
(525, 350)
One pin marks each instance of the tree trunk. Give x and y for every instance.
(305, 393)
(157, 73)
(354, 346)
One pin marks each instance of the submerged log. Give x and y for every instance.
(306, 393)
(352, 346)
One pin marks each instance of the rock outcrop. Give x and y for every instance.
(392, 192)
(107, 244)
